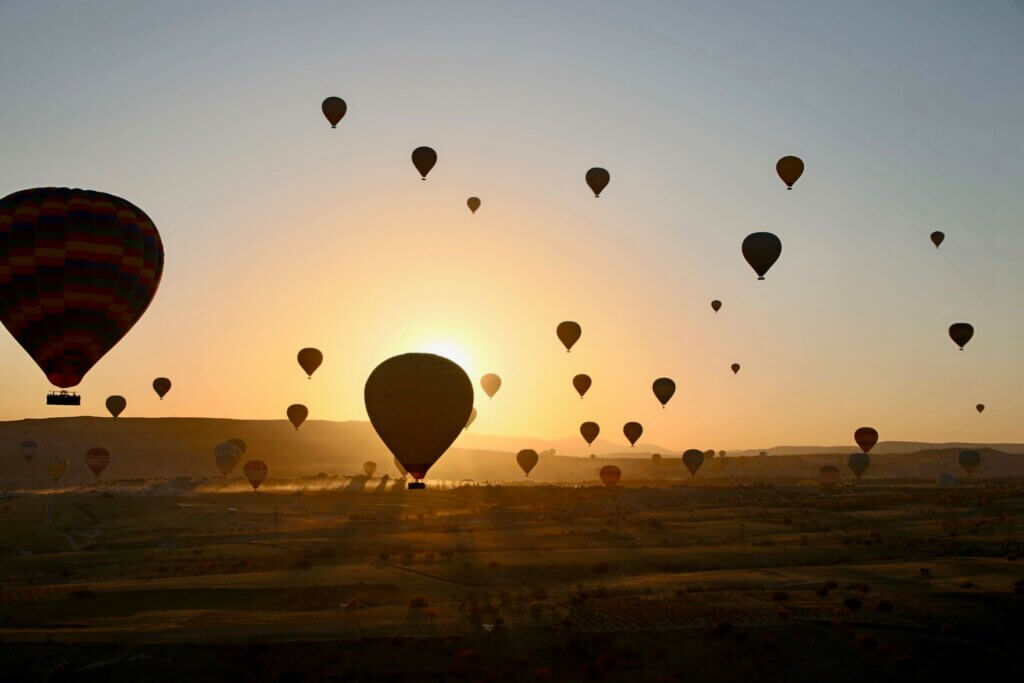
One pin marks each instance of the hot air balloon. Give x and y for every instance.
(581, 383)
(472, 416)
(632, 430)
(369, 467)
(97, 459)
(969, 460)
(721, 454)
(597, 180)
(980, 407)
(473, 203)
(418, 403)
(239, 444)
(610, 475)
(334, 109)
(763, 454)
(693, 459)
(945, 480)
(735, 368)
(77, 269)
(663, 389)
(401, 468)
(56, 467)
(716, 305)
(226, 455)
(28, 450)
(527, 459)
(116, 405)
(710, 453)
(937, 238)
(866, 438)
(255, 471)
(858, 463)
(309, 360)
(490, 383)
(589, 432)
(568, 333)
(656, 457)
(297, 414)
(161, 385)
(424, 158)
(828, 474)
(789, 169)
(961, 333)
(761, 250)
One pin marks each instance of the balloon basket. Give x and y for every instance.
(416, 485)
(63, 398)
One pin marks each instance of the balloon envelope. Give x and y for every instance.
(424, 158)
(161, 385)
(597, 180)
(527, 459)
(663, 388)
(568, 333)
(858, 463)
(56, 467)
(610, 475)
(116, 405)
(937, 237)
(656, 457)
(581, 383)
(969, 460)
(369, 467)
(297, 414)
(334, 109)
(310, 359)
(97, 459)
(693, 459)
(716, 305)
(980, 407)
(490, 383)
(961, 333)
(28, 450)
(239, 444)
(761, 250)
(633, 431)
(828, 474)
(255, 471)
(473, 203)
(866, 438)
(226, 455)
(735, 368)
(789, 169)
(589, 431)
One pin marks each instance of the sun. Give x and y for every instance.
(449, 349)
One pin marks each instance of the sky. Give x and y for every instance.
(281, 233)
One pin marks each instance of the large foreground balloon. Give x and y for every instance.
(866, 438)
(789, 169)
(56, 467)
(226, 455)
(309, 360)
(369, 467)
(255, 471)
(297, 414)
(401, 468)
(334, 109)
(28, 450)
(568, 333)
(597, 180)
(969, 460)
(424, 158)
(418, 403)
(610, 475)
(632, 431)
(761, 250)
(663, 388)
(581, 383)
(527, 459)
(473, 203)
(116, 405)
(97, 459)
(77, 269)
(937, 238)
(490, 383)
(961, 333)
(161, 385)
(693, 459)
(858, 463)
(589, 432)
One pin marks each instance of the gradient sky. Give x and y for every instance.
(281, 233)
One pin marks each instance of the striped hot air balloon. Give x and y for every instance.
(97, 459)
(56, 467)
(255, 471)
(226, 455)
(78, 268)
(28, 450)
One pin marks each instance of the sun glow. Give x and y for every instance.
(450, 350)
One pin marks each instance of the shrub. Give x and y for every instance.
(851, 602)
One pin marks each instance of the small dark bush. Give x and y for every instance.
(780, 596)
(418, 602)
(851, 602)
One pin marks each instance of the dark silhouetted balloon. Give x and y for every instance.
(56, 467)
(334, 109)
(527, 459)
(735, 368)
(77, 270)
(937, 238)
(716, 305)
(633, 431)
(589, 431)
(97, 459)
(424, 158)
(610, 475)
(761, 250)
(297, 414)
(28, 450)
(582, 383)
(656, 457)
(980, 407)
(472, 416)
(828, 474)
(597, 179)
(116, 405)
(401, 468)
(568, 333)
(961, 333)
(256, 472)
(309, 360)
(763, 453)
(858, 463)
(239, 444)
(693, 459)
(663, 389)
(369, 467)
(490, 383)
(161, 385)
(226, 455)
(969, 460)
(789, 169)
(473, 203)
(866, 438)
(418, 403)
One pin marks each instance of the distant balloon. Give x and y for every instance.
(255, 471)
(161, 385)
(693, 459)
(424, 158)
(309, 360)
(56, 467)
(937, 238)
(97, 459)
(735, 368)
(789, 169)
(589, 432)
(472, 416)
(632, 430)
(710, 453)
(527, 459)
(656, 457)
(858, 463)
(369, 467)
(761, 250)
(297, 414)
(610, 475)
(28, 450)
(663, 389)
(226, 455)
(716, 305)
(490, 383)
(597, 179)
(418, 403)
(866, 438)
(763, 453)
(969, 460)
(980, 407)
(581, 383)
(721, 454)
(961, 333)
(828, 474)
(116, 405)
(334, 109)
(945, 480)
(473, 203)
(568, 333)
(240, 445)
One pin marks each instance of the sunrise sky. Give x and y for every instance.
(282, 233)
